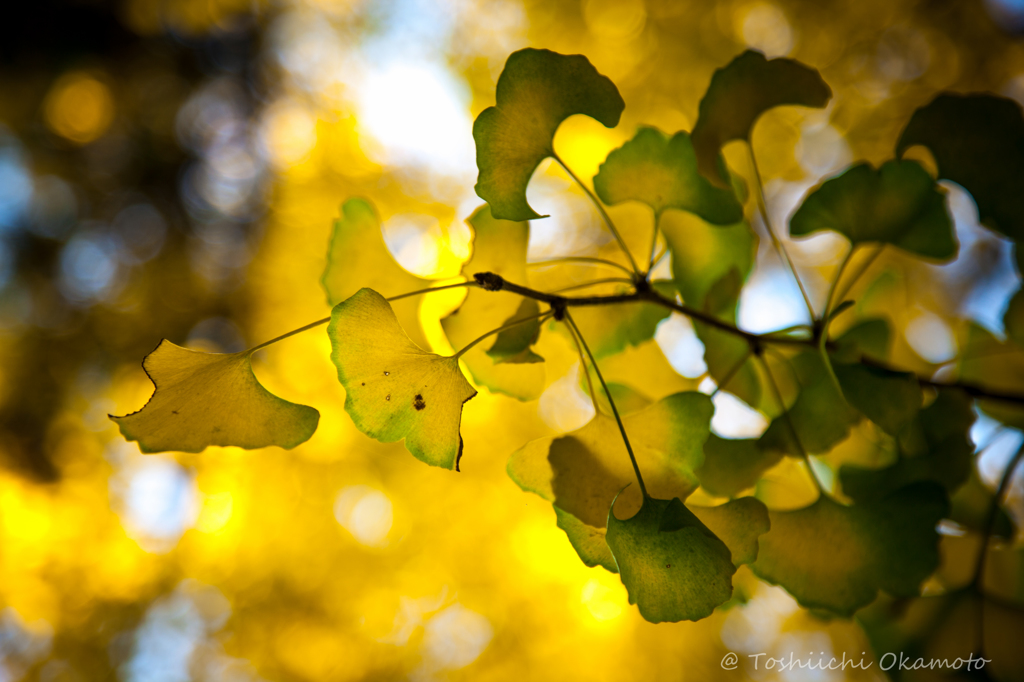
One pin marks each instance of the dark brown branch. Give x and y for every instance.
(644, 292)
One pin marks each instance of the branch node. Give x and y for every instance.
(489, 281)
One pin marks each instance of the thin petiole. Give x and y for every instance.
(600, 209)
(607, 280)
(580, 259)
(583, 366)
(861, 270)
(731, 373)
(325, 320)
(789, 422)
(542, 316)
(654, 241)
(657, 259)
(780, 249)
(832, 289)
(615, 411)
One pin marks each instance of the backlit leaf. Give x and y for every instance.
(537, 90)
(358, 257)
(611, 329)
(202, 399)
(499, 246)
(820, 415)
(890, 399)
(836, 557)
(739, 93)
(394, 389)
(661, 172)
(588, 541)
(738, 523)
(999, 367)
(897, 204)
(733, 465)
(978, 142)
(672, 565)
(938, 449)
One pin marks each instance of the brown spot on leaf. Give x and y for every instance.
(418, 402)
(387, 397)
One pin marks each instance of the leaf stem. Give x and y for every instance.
(600, 209)
(789, 422)
(860, 271)
(615, 411)
(542, 316)
(780, 249)
(325, 320)
(580, 259)
(583, 366)
(492, 282)
(832, 290)
(654, 241)
(731, 373)
(993, 511)
(607, 280)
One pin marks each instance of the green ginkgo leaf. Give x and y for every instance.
(611, 329)
(204, 399)
(890, 399)
(394, 389)
(978, 142)
(738, 523)
(674, 568)
(499, 246)
(739, 93)
(937, 448)
(820, 416)
(661, 172)
(836, 557)
(733, 465)
(588, 541)
(898, 204)
(999, 367)
(537, 90)
(358, 257)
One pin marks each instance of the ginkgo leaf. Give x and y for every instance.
(820, 416)
(202, 399)
(513, 344)
(938, 449)
(394, 389)
(738, 523)
(661, 172)
(1013, 319)
(890, 399)
(739, 93)
(978, 142)
(733, 465)
(358, 257)
(611, 329)
(999, 367)
(870, 337)
(898, 204)
(674, 568)
(836, 557)
(588, 541)
(972, 504)
(499, 246)
(537, 90)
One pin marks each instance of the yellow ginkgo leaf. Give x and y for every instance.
(394, 389)
(204, 399)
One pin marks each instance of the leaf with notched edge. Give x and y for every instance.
(537, 90)
(394, 389)
(739, 93)
(836, 557)
(672, 565)
(204, 399)
(898, 204)
(978, 142)
(499, 246)
(358, 257)
(661, 172)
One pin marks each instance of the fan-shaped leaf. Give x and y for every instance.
(835, 557)
(978, 142)
(739, 93)
(394, 389)
(897, 204)
(499, 246)
(733, 465)
(358, 257)
(890, 399)
(672, 565)
(204, 399)
(537, 90)
(661, 172)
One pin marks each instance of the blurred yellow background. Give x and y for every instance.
(177, 177)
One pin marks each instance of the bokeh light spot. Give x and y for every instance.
(455, 637)
(79, 108)
(366, 513)
(601, 601)
(931, 338)
(615, 20)
(764, 27)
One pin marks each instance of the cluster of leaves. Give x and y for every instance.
(619, 484)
